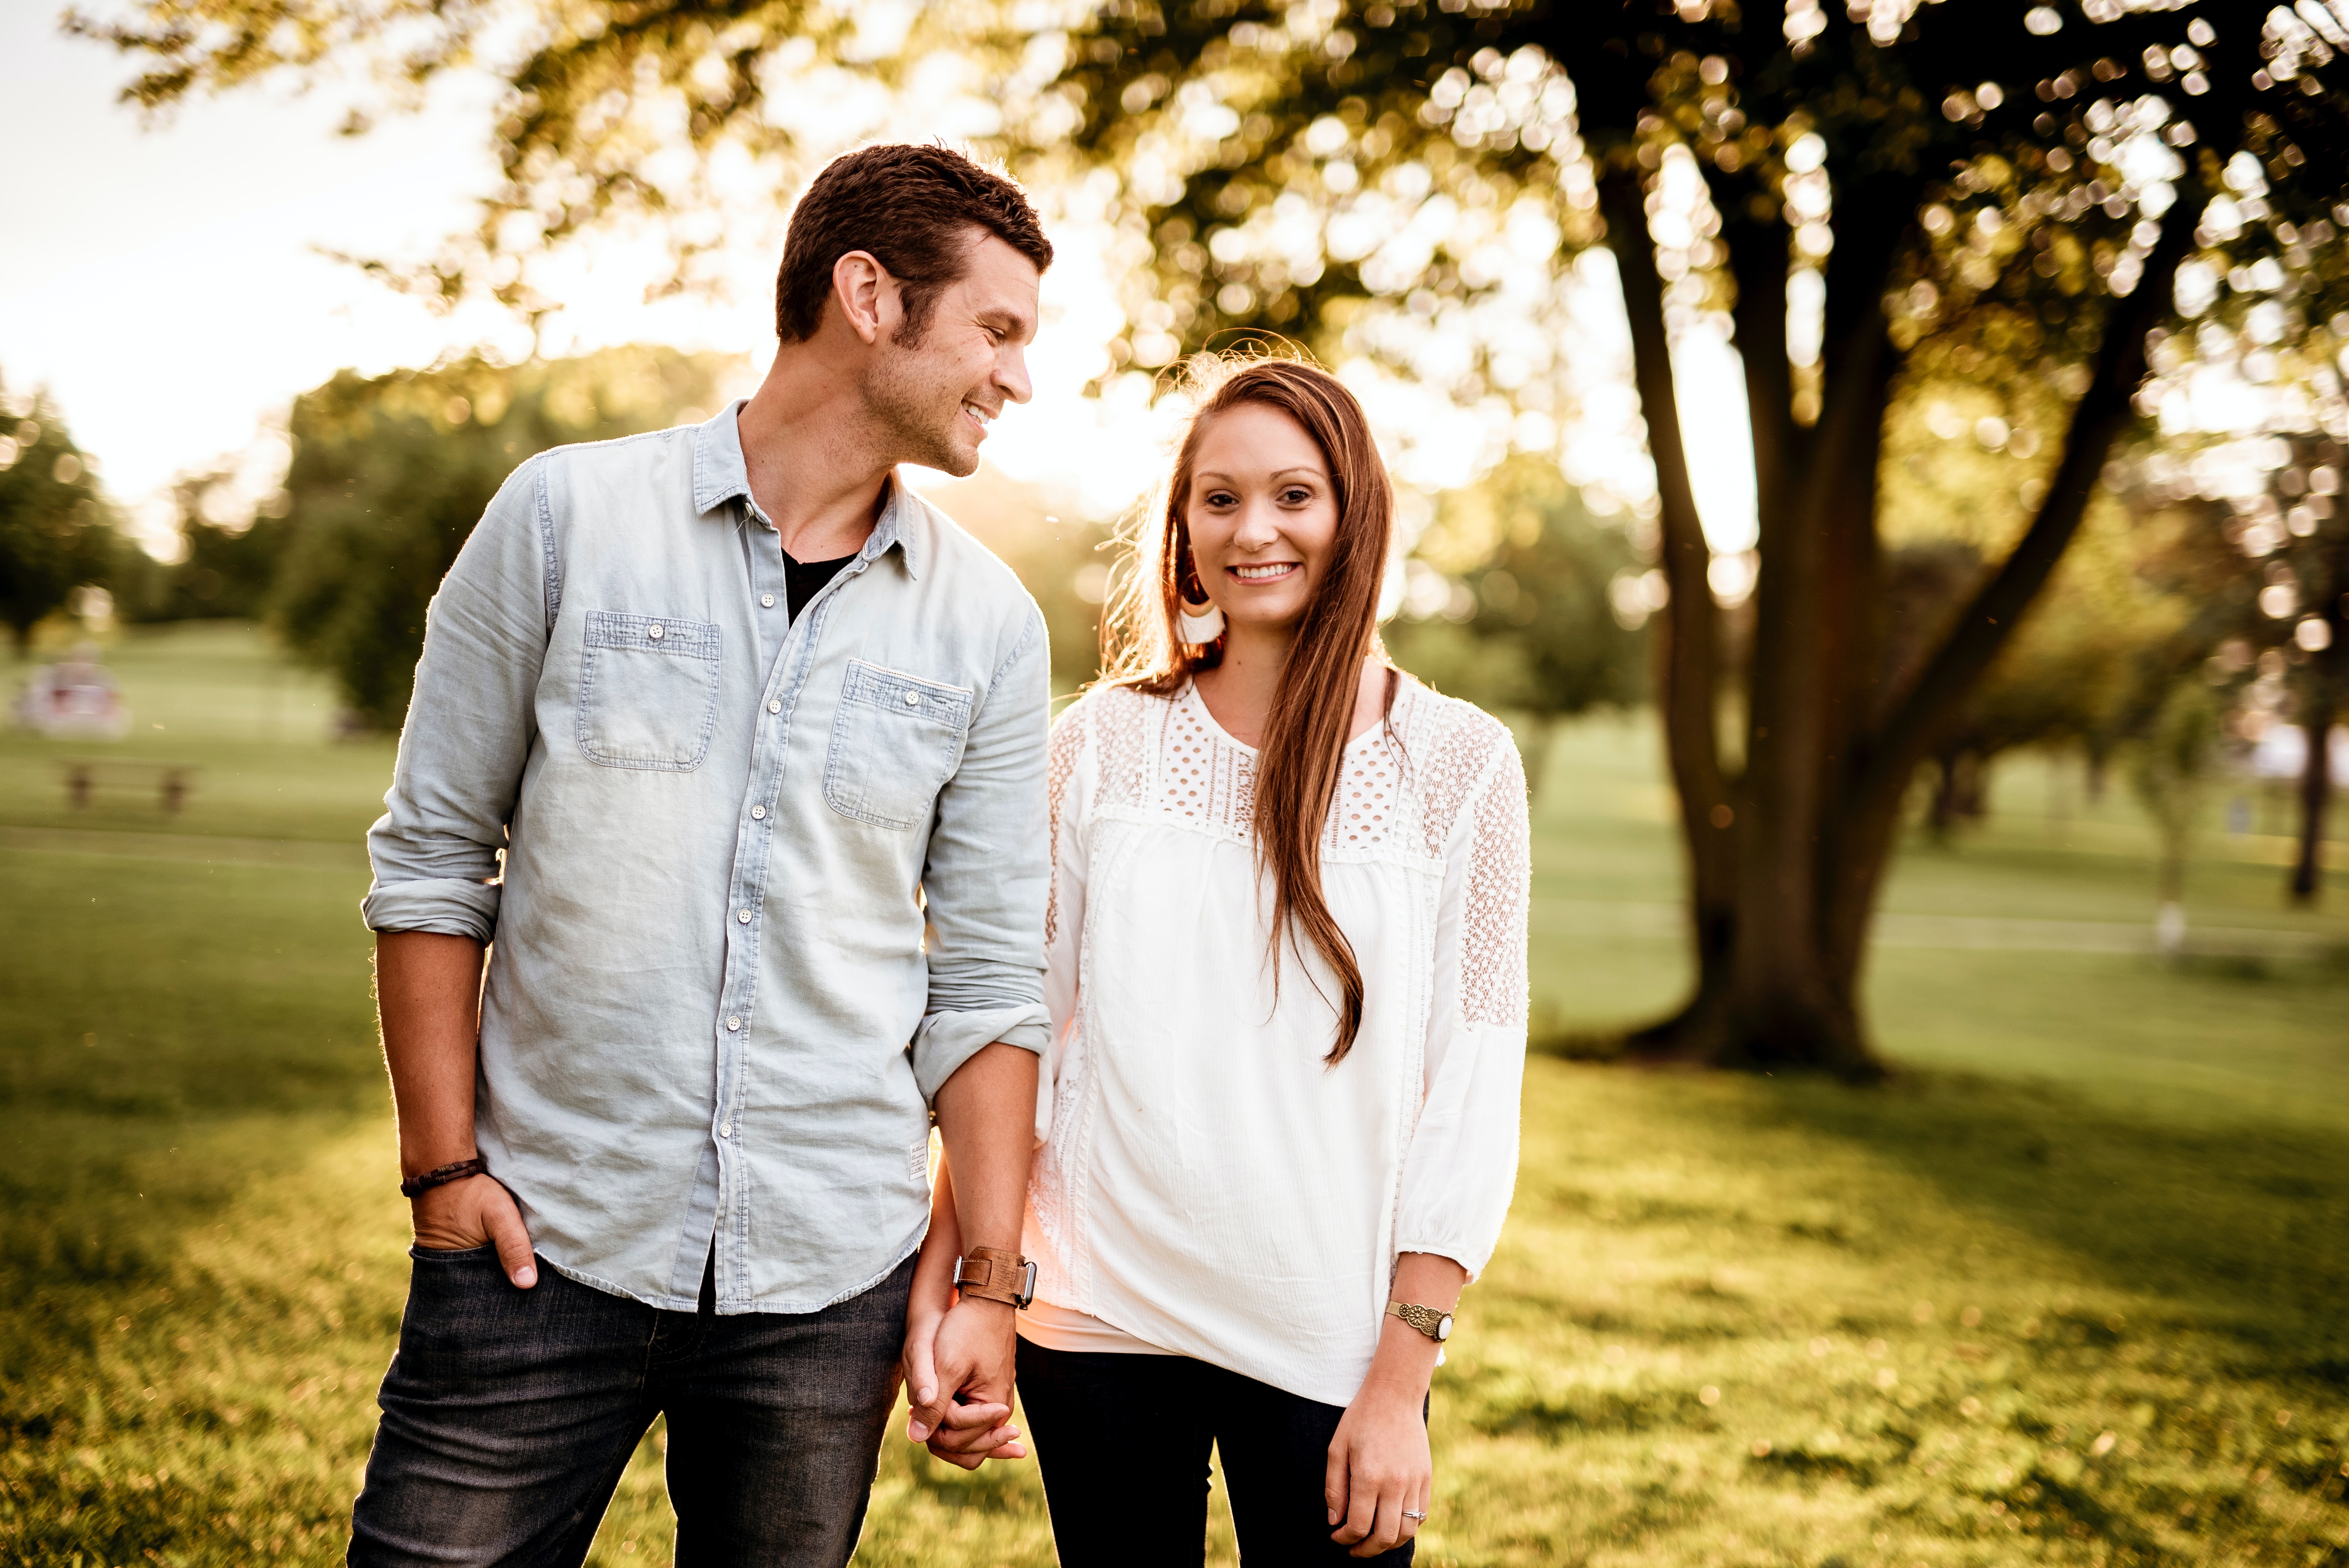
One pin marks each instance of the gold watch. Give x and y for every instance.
(1436, 1326)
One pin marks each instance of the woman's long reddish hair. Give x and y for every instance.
(1304, 739)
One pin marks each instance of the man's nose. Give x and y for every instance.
(1011, 374)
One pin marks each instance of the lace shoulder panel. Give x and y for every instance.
(1061, 753)
(1121, 721)
(1493, 979)
(1449, 745)
(1468, 760)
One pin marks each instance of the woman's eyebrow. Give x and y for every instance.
(1301, 469)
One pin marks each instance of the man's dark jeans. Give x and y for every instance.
(508, 1415)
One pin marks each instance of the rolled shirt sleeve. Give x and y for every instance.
(1463, 1166)
(986, 876)
(468, 730)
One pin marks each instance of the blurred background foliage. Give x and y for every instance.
(385, 477)
(57, 527)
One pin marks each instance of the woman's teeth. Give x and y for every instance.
(1264, 574)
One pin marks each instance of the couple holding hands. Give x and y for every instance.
(1214, 988)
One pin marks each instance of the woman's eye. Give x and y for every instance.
(1298, 497)
(1221, 498)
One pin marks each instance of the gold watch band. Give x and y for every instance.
(991, 1273)
(1435, 1324)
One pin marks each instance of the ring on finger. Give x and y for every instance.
(1413, 1514)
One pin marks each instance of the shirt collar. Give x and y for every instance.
(719, 475)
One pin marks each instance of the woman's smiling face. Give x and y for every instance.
(1263, 516)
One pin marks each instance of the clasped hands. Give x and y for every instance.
(957, 1366)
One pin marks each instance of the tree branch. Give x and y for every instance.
(2103, 411)
(1690, 657)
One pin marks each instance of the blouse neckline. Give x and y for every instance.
(1206, 715)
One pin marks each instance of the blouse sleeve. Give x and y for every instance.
(1068, 786)
(1462, 1163)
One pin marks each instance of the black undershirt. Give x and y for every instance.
(803, 579)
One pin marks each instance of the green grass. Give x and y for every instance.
(2066, 1290)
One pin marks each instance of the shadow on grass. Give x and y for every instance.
(2239, 1229)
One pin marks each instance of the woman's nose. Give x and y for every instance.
(1256, 529)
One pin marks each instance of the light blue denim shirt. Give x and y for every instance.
(766, 883)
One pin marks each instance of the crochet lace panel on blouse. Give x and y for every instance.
(1404, 788)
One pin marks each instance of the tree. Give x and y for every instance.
(391, 472)
(2094, 657)
(1867, 191)
(230, 550)
(2170, 773)
(2262, 549)
(56, 531)
(1508, 604)
(2012, 184)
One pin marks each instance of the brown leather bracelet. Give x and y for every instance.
(416, 1186)
(1007, 1276)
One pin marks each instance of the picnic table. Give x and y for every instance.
(84, 775)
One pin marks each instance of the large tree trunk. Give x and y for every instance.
(1785, 859)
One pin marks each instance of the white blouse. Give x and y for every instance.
(1204, 1183)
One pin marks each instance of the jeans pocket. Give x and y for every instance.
(423, 1254)
(648, 691)
(894, 744)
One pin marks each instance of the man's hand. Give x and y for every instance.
(1379, 1466)
(458, 1216)
(958, 1380)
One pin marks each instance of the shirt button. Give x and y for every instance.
(733, 1022)
(724, 1129)
(774, 707)
(913, 699)
(758, 813)
(743, 915)
(766, 601)
(654, 632)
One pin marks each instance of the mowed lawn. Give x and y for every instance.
(2068, 1289)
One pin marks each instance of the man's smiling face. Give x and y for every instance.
(937, 393)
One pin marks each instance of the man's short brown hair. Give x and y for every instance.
(913, 209)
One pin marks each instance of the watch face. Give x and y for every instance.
(1444, 1327)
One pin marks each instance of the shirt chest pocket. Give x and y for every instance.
(648, 691)
(895, 744)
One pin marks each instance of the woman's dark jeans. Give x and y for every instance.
(1122, 1443)
(508, 1415)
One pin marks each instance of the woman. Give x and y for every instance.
(1286, 963)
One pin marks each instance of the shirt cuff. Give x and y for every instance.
(450, 906)
(947, 1040)
(1459, 1249)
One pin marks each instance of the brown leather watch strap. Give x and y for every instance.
(991, 1273)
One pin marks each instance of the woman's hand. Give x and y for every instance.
(1379, 1468)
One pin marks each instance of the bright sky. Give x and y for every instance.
(165, 284)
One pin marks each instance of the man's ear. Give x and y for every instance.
(867, 295)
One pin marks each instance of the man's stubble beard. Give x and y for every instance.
(907, 408)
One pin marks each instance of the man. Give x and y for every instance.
(760, 737)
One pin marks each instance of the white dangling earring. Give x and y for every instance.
(1199, 628)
